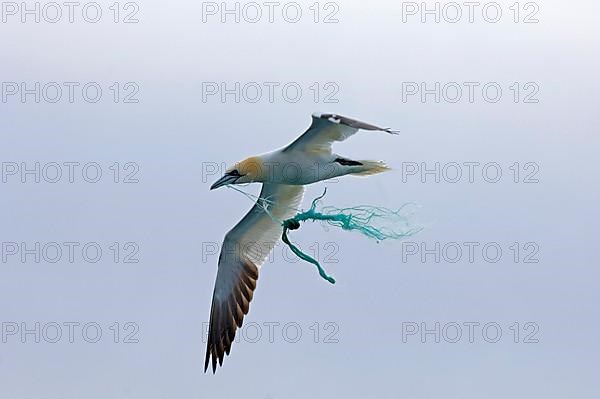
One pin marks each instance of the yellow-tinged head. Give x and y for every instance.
(249, 170)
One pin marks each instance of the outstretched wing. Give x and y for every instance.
(327, 128)
(244, 249)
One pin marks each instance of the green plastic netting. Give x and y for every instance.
(375, 222)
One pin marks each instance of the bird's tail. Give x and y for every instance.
(371, 168)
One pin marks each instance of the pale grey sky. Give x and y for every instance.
(167, 144)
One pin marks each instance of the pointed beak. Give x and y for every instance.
(223, 181)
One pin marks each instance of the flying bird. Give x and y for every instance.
(283, 174)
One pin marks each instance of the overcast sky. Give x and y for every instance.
(112, 132)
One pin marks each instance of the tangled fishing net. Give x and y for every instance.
(375, 222)
(372, 221)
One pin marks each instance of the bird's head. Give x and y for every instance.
(249, 170)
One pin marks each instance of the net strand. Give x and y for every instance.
(378, 223)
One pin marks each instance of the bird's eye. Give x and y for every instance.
(234, 173)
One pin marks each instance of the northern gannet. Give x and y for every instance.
(283, 173)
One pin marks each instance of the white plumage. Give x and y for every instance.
(283, 173)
